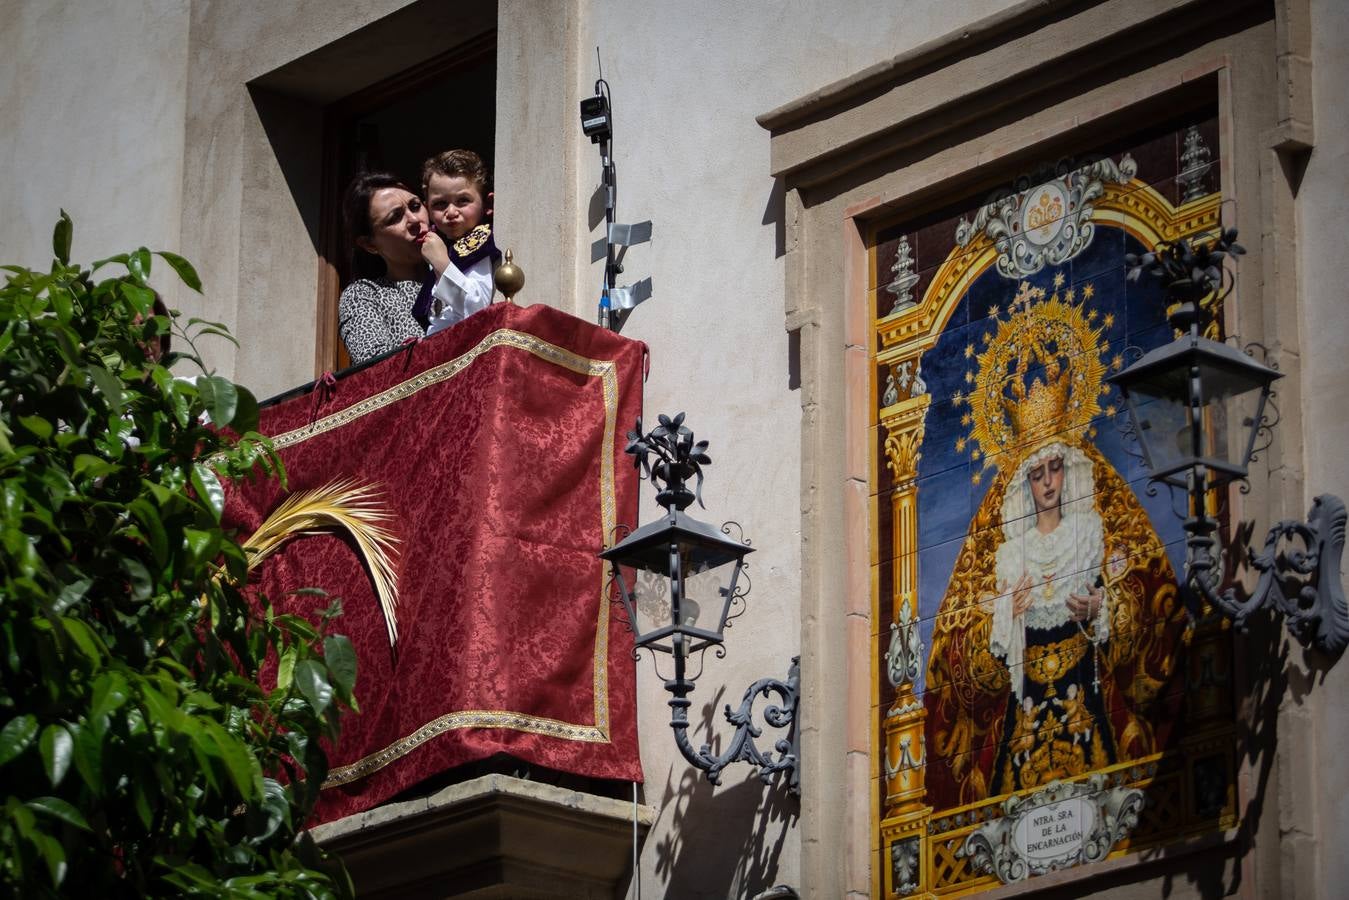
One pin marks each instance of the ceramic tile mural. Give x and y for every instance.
(1044, 701)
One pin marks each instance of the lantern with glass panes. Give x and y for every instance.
(1197, 407)
(681, 582)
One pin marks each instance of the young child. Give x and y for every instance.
(459, 248)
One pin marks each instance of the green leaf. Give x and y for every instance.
(60, 809)
(297, 626)
(69, 351)
(16, 736)
(276, 806)
(89, 757)
(142, 582)
(108, 385)
(285, 670)
(153, 527)
(183, 268)
(62, 303)
(83, 638)
(61, 236)
(209, 490)
(341, 658)
(241, 765)
(53, 854)
(120, 259)
(141, 802)
(192, 877)
(142, 299)
(176, 391)
(205, 750)
(138, 264)
(40, 427)
(246, 415)
(86, 464)
(71, 594)
(221, 398)
(110, 692)
(57, 749)
(201, 545)
(313, 683)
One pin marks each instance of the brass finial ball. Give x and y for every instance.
(509, 277)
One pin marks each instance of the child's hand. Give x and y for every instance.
(434, 251)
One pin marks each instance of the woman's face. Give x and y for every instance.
(397, 222)
(1046, 483)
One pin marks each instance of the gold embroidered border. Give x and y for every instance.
(607, 372)
(469, 718)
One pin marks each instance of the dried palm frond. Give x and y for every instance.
(339, 505)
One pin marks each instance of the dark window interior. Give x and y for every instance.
(457, 110)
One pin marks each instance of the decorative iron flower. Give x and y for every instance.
(1186, 269)
(678, 458)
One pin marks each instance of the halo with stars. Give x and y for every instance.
(1034, 337)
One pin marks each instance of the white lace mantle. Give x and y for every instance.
(1070, 557)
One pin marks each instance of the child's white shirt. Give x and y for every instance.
(460, 294)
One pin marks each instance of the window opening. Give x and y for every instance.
(394, 125)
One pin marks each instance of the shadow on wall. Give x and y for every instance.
(775, 214)
(723, 845)
(294, 130)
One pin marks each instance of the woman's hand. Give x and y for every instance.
(1021, 598)
(1084, 607)
(434, 251)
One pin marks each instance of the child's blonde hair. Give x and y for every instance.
(458, 163)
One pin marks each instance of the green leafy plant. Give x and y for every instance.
(140, 753)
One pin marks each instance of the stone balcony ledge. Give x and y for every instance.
(493, 836)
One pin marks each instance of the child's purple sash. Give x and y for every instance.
(466, 251)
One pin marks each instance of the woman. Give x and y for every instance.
(1058, 633)
(386, 225)
(1047, 622)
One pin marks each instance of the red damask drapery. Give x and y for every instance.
(497, 447)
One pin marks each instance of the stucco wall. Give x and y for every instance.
(1323, 206)
(688, 80)
(92, 106)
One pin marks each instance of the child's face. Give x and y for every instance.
(456, 204)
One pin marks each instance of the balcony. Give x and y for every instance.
(490, 459)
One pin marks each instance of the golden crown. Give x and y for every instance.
(1042, 410)
(1037, 378)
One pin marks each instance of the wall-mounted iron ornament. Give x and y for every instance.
(1196, 407)
(686, 578)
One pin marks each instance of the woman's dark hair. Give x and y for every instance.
(356, 218)
(165, 339)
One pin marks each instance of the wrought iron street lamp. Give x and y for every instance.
(1197, 406)
(681, 582)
